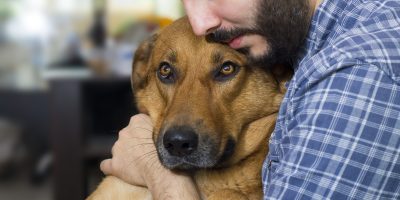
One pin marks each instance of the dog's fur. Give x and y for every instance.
(232, 116)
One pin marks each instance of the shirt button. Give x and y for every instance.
(269, 164)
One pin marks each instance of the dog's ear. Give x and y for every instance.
(140, 65)
(282, 74)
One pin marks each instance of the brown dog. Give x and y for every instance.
(212, 113)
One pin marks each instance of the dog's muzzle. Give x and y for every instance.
(181, 141)
(181, 147)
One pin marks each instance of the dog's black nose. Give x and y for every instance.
(180, 141)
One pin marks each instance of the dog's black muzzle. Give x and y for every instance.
(181, 147)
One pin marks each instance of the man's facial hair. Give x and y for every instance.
(283, 24)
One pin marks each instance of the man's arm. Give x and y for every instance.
(135, 161)
(342, 140)
(174, 187)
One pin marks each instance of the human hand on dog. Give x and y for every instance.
(134, 160)
(133, 153)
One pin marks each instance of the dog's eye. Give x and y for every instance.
(165, 73)
(226, 71)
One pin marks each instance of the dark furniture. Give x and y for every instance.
(28, 109)
(86, 115)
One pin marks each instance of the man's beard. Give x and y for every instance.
(283, 24)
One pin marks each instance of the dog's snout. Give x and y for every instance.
(180, 141)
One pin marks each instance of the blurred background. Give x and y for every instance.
(65, 89)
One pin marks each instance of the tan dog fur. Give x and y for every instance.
(243, 108)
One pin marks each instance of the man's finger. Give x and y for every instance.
(146, 119)
(106, 166)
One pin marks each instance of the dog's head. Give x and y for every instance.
(200, 96)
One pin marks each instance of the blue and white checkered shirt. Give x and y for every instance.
(338, 131)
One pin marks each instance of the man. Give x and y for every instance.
(338, 131)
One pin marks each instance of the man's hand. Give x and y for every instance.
(134, 153)
(134, 160)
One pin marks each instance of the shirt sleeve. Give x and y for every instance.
(342, 140)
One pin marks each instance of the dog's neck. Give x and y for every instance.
(247, 159)
(254, 135)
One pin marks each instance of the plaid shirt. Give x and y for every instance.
(338, 131)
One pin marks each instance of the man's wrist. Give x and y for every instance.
(173, 186)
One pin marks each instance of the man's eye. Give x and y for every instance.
(226, 71)
(165, 73)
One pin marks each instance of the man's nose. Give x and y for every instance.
(203, 19)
